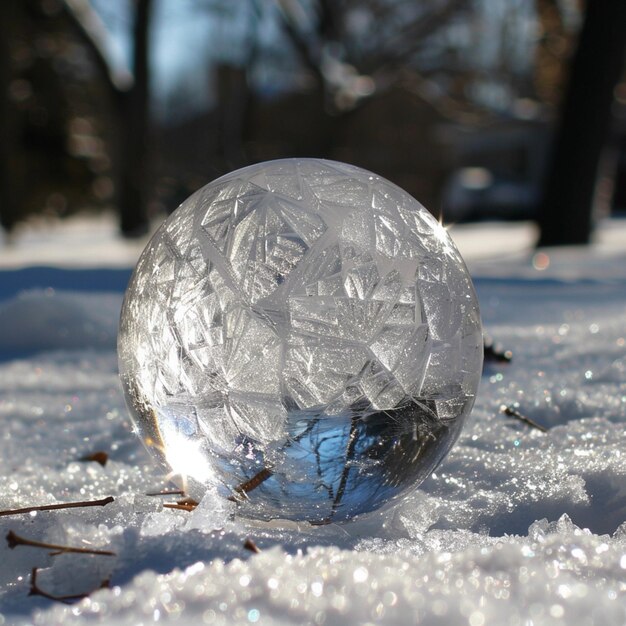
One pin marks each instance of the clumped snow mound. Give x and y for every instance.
(45, 319)
(515, 527)
(558, 575)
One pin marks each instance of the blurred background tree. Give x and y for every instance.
(55, 158)
(134, 104)
(565, 212)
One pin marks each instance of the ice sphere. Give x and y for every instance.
(300, 336)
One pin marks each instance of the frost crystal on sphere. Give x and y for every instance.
(303, 337)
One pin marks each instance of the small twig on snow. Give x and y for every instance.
(167, 492)
(248, 544)
(54, 507)
(186, 504)
(99, 457)
(509, 411)
(15, 540)
(249, 485)
(494, 352)
(36, 590)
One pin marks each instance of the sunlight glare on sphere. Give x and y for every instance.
(303, 337)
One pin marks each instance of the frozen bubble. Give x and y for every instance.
(303, 336)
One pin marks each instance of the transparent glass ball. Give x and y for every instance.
(302, 337)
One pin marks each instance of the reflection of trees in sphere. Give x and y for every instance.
(302, 335)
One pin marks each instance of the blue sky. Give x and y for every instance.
(188, 38)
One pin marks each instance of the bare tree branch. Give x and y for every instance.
(90, 28)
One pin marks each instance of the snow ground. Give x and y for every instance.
(516, 527)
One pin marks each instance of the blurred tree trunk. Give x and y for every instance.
(7, 132)
(619, 197)
(133, 155)
(232, 111)
(565, 211)
(130, 111)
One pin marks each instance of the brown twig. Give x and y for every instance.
(246, 487)
(99, 457)
(54, 507)
(167, 492)
(248, 544)
(186, 504)
(495, 354)
(36, 590)
(15, 540)
(509, 411)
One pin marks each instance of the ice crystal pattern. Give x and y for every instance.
(300, 336)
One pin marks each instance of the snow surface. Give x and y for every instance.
(516, 526)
